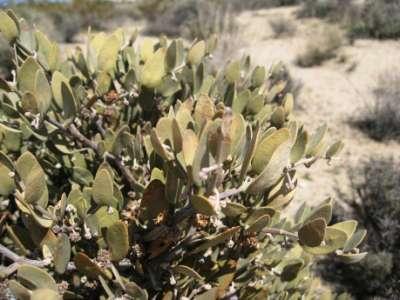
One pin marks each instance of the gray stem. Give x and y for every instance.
(19, 260)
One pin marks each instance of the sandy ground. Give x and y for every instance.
(330, 94)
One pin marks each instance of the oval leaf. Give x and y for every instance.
(312, 234)
(36, 277)
(103, 188)
(118, 240)
(202, 205)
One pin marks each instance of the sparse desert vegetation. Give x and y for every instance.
(332, 9)
(380, 119)
(63, 21)
(378, 19)
(322, 45)
(200, 19)
(282, 27)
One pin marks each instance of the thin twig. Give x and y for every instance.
(99, 126)
(125, 172)
(91, 101)
(235, 191)
(80, 137)
(73, 131)
(203, 174)
(19, 260)
(277, 231)
(305, 161)
(290, 184)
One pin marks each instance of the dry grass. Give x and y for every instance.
(381, 118)
(322, 46)
(282, 26)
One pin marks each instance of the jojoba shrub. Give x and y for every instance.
(134, 172)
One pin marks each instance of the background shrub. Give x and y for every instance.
(262, 4)
(68, 26)
(171, 21)
(333, 9)
(151, 9)
(282, 27)
(378, 19)
(38, 16)
(381, 119)
(199, 19)
(320, 47)
(92, 13)
(54, 19)
(376, 205)
(193, 19)
(211, 18)
(63, 21)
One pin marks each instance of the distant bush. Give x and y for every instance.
(376, 203)
(212, 17)
(325, 8)
(378, 19)
(92, 13)
(63, 21)
(193, 19)
(261, 4)
(57, 20)
(199, 19)
(171, 21)
(68, 26)
(381, 119)
(36, 15)
(151, 9)
(321, 47)
(282, 27)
